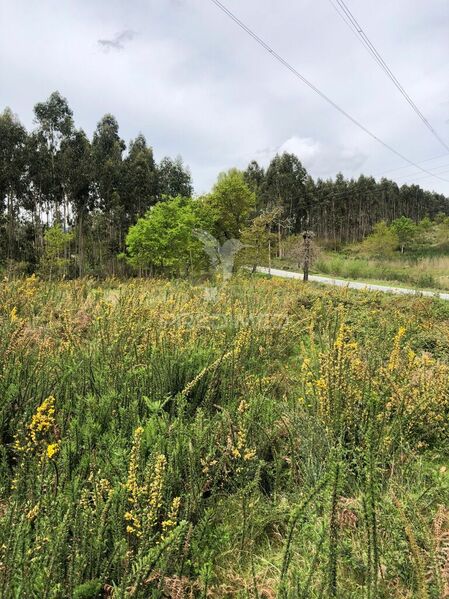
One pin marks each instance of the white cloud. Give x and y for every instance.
(305, 148)
(195, 84)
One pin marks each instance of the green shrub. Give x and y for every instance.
(427, 280)
(93, 589)
(162, 442)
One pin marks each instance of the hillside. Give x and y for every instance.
(267, 440)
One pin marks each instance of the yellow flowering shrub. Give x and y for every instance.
(237, 442)
(338, 387)
(146, 496)
(411, 389)
(40, 433)
(416, 390)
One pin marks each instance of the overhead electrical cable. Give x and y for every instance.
(314, 88)
(437, 171)
(354, 25)
(398, 168)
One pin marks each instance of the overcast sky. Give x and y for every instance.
(184, 75)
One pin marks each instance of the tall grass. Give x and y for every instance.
(432, 272)
(158, 441)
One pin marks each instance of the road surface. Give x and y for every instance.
(287, 274)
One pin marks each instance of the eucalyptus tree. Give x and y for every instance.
(54, 120)
(107, 150)
(140, 180)
(284, 186)
(77, 168)
(174, 178)
(12, 169)
(254, 176)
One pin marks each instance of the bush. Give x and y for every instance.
(427, 280)
(164, 442)
(93, 589)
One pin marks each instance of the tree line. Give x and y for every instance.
(89, 189)
(338, 210)
(70, 204)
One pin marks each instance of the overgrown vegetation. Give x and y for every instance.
(68, 202)
(417, 257)
(277, 440)
(427, 272)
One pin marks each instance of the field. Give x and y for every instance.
(266, 439)
(420, 272)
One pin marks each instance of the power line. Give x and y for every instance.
(435, 169)
(398, 168)
(421, 177)
(297, 74)
(352, 22)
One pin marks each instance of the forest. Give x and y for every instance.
(67, 202)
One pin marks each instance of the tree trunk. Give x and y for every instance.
(80, 245)
(10, 226)
(307, 241)
(279, 240)
(269, 256)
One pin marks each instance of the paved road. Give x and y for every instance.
(287, 274)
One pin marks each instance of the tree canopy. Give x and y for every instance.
(163, 240)
(97, 188)
(231, 202)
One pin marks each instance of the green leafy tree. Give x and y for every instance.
(425, 233)
(174, 179)
(54, 262)
(76, 161)
(259, 240)
(12, 167)
(284, 186)
(382, 241)
(164, 240)
(140, 180)
(231, 203)
(406, 231)
(442, 231)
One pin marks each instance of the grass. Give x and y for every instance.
(428, 272)
(273, 439)
(418, 272)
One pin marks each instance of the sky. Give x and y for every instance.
(184, 75)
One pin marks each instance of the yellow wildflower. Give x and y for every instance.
(52, 450)
(131, 484)
(155, 489)
(32, 514)
(395, 353)
(43, 420)
(172, 518)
